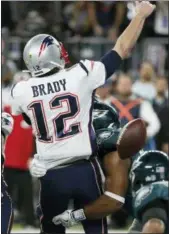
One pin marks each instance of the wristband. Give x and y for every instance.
(115, 196)
(78, 215)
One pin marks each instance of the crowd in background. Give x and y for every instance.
(141, 92)
(79, 18)
(88, 29)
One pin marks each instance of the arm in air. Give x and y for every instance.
(128, 38)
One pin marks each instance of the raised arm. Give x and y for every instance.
(128, 38)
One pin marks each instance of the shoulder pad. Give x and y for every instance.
(18, 89)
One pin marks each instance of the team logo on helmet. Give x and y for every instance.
(45, 43)
(105, 135)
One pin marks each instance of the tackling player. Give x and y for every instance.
(149, 176)
(107, 127)
(6, 203)
(58, 103)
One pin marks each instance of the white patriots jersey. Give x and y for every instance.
(60, 109)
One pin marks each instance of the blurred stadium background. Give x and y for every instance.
(88, 30)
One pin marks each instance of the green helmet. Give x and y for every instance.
(104, 116)
(107, 126)
(149, 167)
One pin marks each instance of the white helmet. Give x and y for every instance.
(43, 53)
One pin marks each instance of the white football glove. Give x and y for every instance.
(37, 169)
(69, 218)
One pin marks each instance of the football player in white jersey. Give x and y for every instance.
(6, 203)
(58, 103)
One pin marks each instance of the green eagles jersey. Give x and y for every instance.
(148, 194)
(107, 126)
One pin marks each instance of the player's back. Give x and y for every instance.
(59, 107)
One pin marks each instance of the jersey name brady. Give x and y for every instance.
(48, 88)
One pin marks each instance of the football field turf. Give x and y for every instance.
(75, 229)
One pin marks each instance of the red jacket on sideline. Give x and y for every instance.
(19, 145)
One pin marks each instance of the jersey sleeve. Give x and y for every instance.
(112, 62)
(17, 92)
(99, 71)
(95, 72)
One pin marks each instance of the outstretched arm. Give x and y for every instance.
(128, 38)
(116, 171)
(111, 61)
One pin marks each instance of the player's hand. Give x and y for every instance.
(69, 218)
(144, 8)
(37, 169)
(66, 219)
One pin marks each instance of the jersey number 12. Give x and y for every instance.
(59, 122)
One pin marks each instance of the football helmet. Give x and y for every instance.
(7, 123)
(104, 116)
(107, 126)
(149, 167)
(43, 53)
